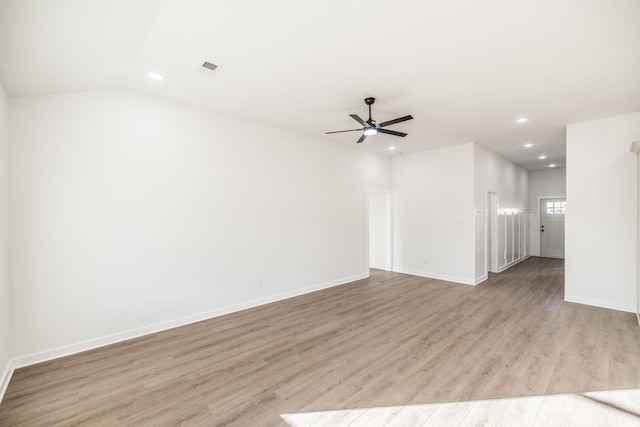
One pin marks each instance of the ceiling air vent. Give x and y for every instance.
(209, 66)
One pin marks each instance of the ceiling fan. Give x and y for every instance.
(371, 127)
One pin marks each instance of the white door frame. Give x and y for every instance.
(635, 149)
(540, 198)
(538, 218)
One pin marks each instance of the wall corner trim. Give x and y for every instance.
(482, 278)
(6, 378)
(600, 303)
(443, 277)
(512, 263)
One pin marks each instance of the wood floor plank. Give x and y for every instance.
(413, 416)
(379, 350)
(556, 410)
(485, 413)
(521, 412)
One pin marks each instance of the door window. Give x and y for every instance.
(556, 208)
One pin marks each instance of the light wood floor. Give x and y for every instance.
(388, 341)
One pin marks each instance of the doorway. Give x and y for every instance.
(380, 231)
(552, 218)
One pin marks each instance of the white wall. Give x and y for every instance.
(601, 200)
(433, 214)
(637, 147)
(543, 183)
(440, 201)
(5, 307)
(132, 214)
(494, 172)
(511, 184)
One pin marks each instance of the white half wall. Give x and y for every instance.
(543, 183)
(433, 214)
(5, 292)
(601, 219)
(132, 214)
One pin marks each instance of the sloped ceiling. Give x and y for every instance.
(466, 70)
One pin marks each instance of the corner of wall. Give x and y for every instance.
(6, 365)
(5, 379)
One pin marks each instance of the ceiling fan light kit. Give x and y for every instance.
(371, 127)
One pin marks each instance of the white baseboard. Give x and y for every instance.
(511, 264)
(379, 267)
(461, 280)
(482, 278)
(600, 303)
(6, 377)
(67, 350)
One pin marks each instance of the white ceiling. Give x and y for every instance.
(466, 70)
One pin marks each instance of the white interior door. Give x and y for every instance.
(380, 231)
(552, 213)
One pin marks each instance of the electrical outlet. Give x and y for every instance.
(425, 261)
(261, 283)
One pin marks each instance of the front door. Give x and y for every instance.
(552, 227)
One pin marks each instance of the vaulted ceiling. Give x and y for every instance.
(465, 70)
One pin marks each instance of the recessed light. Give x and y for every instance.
(522, 120)
(392, 148)
(542, 157)
(528, 145)
(552, 165)
(155, 76)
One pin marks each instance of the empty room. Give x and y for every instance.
(319, 214)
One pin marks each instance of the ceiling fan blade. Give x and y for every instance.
(392, 132)
(394, 121)
(361, 139)
(359, 120)
(340, 131)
